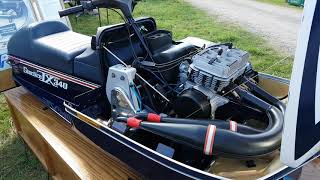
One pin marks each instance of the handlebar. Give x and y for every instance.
(70, 11)
(125, 6)
(88, 5)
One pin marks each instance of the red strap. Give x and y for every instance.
(133, 122)
(154, 117)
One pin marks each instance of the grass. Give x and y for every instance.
(174, 15)
(280, 3)
(18, 162)
(5, 121)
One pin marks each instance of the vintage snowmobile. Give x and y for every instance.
(180, 109)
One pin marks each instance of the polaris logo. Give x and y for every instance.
(46, 78)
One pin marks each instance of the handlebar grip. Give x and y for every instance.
(72, 10)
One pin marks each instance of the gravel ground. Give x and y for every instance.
(278, 25)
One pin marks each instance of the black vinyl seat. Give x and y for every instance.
(50, 44)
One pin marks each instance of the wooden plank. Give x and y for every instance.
(62, 151)
(6, 81)
(311, 171)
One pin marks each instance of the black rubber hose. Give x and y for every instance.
(248, 146)
(241, 145)
(261, 93)
(247, 97)
(218, 123)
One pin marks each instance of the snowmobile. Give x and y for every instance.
(181, 109)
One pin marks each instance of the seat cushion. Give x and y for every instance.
(58, 50)
(50, 44)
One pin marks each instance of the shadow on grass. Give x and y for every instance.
(18, 162)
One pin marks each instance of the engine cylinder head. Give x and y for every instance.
(217, 66)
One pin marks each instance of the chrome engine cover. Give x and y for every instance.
(215, 67)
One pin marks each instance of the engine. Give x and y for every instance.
(183, 91)
(211, 70)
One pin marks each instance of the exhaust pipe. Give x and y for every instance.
(217, 136)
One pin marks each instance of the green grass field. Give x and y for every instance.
(280, 3)
(277, 2)
(174, 15)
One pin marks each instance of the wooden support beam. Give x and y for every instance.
(64, 153)
(6, 81)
